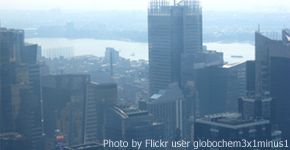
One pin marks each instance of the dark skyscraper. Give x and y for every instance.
(64, 100)
(11, 45)
(211, 87)
(31, 53)
(273, 75)
(20, 89)
(269, 50)
(172, 31)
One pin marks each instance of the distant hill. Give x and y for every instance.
(132, 25)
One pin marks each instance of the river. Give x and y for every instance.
(135, 50)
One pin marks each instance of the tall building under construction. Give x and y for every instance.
(174, 29)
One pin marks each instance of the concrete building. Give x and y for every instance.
(58, 52)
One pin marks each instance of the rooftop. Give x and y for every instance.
(155, 96)
(11, 30)
(230, 120)
(125, 113)
(232, 64)
(88, 146)
(171, 94)
(163, 7)
(10, 135)
(277, 36)
(253, 99)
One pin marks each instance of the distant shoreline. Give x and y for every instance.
(90, 46)
(136, 41)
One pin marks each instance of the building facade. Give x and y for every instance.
(100, 98)
(273, 75)
(64, 98)
(168, 107)
(172, 31)
(20, 104)
(131, 123)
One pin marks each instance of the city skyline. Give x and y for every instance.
(184, 95)
(92, 5)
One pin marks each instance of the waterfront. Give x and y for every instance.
(135, 50)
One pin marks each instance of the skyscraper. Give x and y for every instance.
(11, 45)
(111, 57)
(100, 98)
(131, 123)
(240, 78)
(64, 99)
(172, 30)
(270, 50)
(31, 53)
(255, 107)
(211, 87)
(167, 107)
(273, 75)
(20, 106)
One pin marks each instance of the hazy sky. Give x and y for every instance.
(241, 5)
